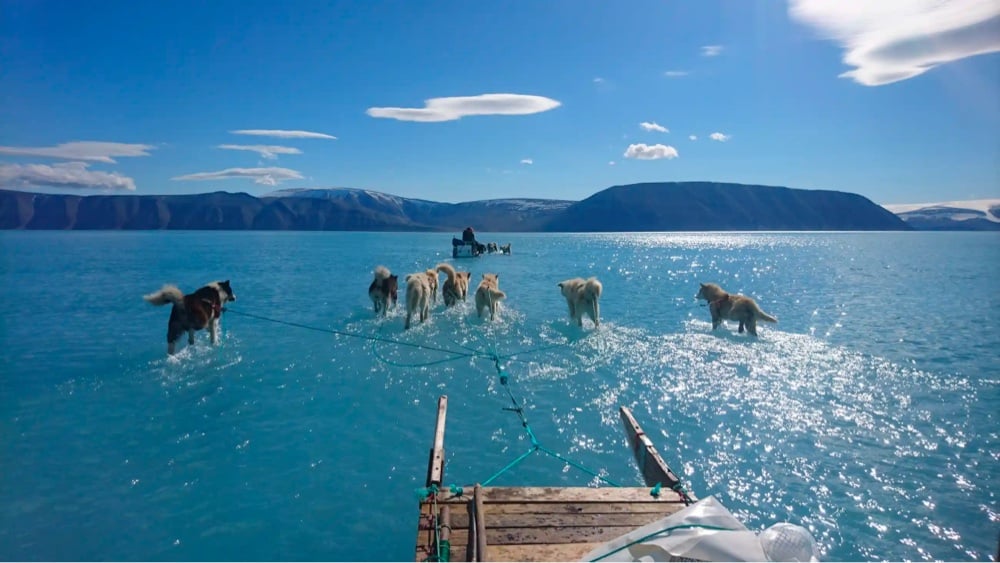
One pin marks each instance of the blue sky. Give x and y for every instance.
(555, 99)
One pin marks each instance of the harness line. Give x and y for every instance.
(493, 354)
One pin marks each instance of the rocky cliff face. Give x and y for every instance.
(672, 206)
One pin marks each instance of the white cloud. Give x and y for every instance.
(448, 109)
(270, 176)
(611, 163)
(676, 73)
(598, 80)
(654, 126)
(650, 152)
(711, 50)
(721, 137)
(527, 161)
(62, 175)
(891, 40)
(82, 150)
(693, 137)
(283, 134)
(265, 151)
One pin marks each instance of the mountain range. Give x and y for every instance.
(665, 206)
(970, 215)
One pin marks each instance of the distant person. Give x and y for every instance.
(468, 235)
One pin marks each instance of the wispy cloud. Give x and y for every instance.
(721, 137)
(448, 109)
(598, 80)
(611, 163)
(650, 152)
(653, 126)
(676, 73)
(270, 176)
(283, 134)
(693, 137)
(71, 175)
(711, 50)
(527, 161)
(888, 41)
(97, 151)
(265, 151)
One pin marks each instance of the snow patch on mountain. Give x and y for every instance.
(988, 209)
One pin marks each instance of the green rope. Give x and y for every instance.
(510, 465)
(663, 531)
(378, 355)
(535, 446)
(493, 354)
(355, 335)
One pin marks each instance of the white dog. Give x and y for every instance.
(418, 297)
(488, 295)
(583, 297)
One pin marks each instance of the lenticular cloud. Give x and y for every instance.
(892, 40)
(449, 109)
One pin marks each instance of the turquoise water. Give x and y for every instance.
(868, 414)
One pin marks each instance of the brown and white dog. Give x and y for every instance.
(196, 311)
(418, 296)
(456, 287)
(488, 295)
(583, 297)
(432, 283)
(383, 290)
(733, 307)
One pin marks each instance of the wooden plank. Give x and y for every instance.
(652, 466)
(481, 547)
(536, 552)
(469, 532)
(529, 520)
(556, 508)
(547, 535)
(435, 465)
(575, 494)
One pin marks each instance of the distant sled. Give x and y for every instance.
(465, 249)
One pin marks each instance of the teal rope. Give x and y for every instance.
(535, 446)
(658, 532)
(510, 465)
(378, 355)
(578, 466)
(356, 335)
(455, 355)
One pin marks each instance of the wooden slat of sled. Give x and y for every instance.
(549, 519)
(536, 552)
(494, 495)
(545, 535)
(548, 523)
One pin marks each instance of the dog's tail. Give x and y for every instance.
(592, 289)
(448, 271)
(382, 273)
(761, 315)
(169, 294)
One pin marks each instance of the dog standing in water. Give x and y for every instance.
(583, 298)
(196, 311)
(418, 297)
(383, 290)
(488, 295)
(733, 307)
(456, 287)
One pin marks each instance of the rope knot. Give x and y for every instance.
(456, 490)
(655, 492)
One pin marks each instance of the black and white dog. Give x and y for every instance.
(196, 311)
